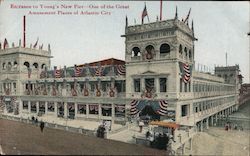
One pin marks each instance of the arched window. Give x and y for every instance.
(136, 51)
(190, 54)
(185, 50)
(3, 66)
(165, 48)
(180, 49)
(43, 66)
(35, 65)
(149, 51)
(27, 64)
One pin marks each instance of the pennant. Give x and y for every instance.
(36, 43)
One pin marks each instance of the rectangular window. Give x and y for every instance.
(150, 84)
(25, 104)
(185, 87)
(137, 85)
(118, 86)
(184, 110)
(163, 84)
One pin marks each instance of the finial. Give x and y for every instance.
(157, 19)
(48, 47)
(176, 13)
(19, 42)
(126, 21)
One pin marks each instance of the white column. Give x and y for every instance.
(113, 113)
(55, 108)
(87, 110)
(20, 106)
(207, 123)
(76, 109)
(46, 107)
(37, 107)
(29, 107)
(142, 84)
(157, 85)
(99, 111)
(212, 120)
(65, 110)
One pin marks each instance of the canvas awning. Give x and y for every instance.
(165, 124)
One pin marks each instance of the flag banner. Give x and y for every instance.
(77, 71)
(5, 44)
(36, 43)
(144, 13)
(186, 71)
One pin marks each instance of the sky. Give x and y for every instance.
(221, 27)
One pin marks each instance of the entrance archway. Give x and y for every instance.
(148, 112)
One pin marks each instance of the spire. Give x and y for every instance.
(126, 21)
(176, 13)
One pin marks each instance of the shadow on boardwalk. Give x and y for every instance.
(20, 138)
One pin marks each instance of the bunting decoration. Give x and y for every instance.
(163, 107)
(98, 71)
(121, 69)
(186, 71)
(160, 107)
(57, 72)
(133, 110)
(77, 71)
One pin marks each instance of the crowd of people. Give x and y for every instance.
(230, 126)
(158, 141)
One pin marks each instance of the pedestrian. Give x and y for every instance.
(140, 125)
(42, 126)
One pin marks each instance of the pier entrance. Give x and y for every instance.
(149, 114)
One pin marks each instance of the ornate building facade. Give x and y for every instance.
(157, 74)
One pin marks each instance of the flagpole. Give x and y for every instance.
(24, 31)
(160, 10)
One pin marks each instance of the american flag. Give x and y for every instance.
(144, 13)
(77, 71)
(57, 73)
(98, 71)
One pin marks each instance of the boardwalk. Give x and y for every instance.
(20, 138)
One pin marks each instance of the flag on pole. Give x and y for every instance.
(186, 20)
(77, 71)
(36, 43)
(144, 13)
(5, 44)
